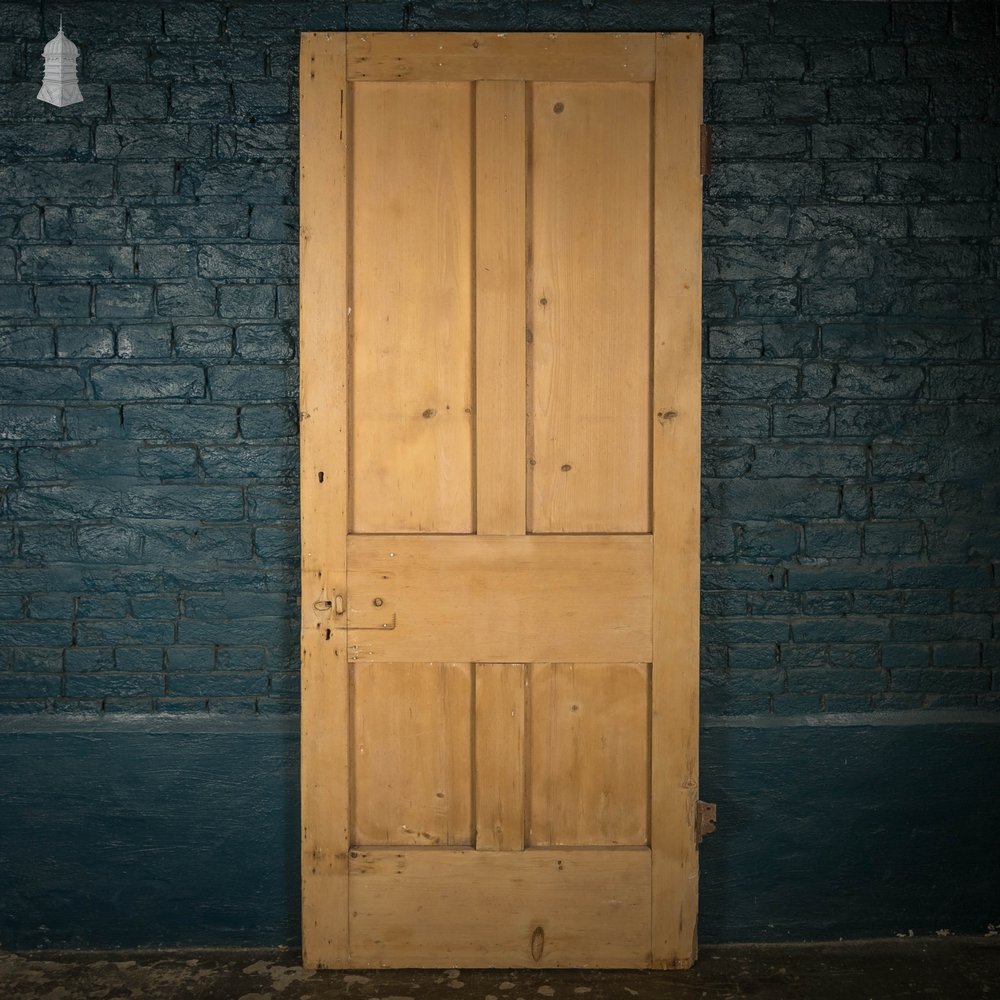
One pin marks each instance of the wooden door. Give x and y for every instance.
(500, 343)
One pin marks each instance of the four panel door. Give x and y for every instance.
(500, 343)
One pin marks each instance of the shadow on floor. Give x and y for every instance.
(952, 968)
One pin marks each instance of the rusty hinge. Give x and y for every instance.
(705, 817)
(706, 150)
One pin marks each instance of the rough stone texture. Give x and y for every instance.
(959, 967)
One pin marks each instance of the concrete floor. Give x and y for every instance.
(952, 968)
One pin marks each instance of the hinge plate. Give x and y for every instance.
(706, 150)
(705, 817)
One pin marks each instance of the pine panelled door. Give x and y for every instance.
(500, 396)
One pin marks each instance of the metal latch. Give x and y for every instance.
(704, 819)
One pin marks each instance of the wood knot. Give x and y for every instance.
(428, 413)
(664, 415)
(537, 943)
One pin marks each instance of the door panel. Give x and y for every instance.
(589, 308)
(500, 351)
(412, 753)
(411, 442)
(589, 780)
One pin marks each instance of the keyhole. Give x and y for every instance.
(537, 943)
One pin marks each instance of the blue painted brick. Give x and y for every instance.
(259, 342)
(198, 659)
(110, 684)
(242, 658)
(38, 660)
(30, 422)
(133, 381)
(124, 300)
(15, 300)
(79, 660)
(207, 545)
(255, 302)
(178, 422)
(189, 298)
(85, 342)
(135, 660)
(168, 462)
(63, 301)
(39, 383)
(134, 102)
(265, 421)
(150, 340)
(223, 683)
(203, 341)
(88, 422)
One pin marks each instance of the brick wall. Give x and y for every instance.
(148, 498)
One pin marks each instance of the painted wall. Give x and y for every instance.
(148, 496)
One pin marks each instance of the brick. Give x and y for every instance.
(272, 503)
(135, 660)
(26, 343)
(723, 61)
(869, 141)
(261, 99)
(757, 542)
(796, 499)
(203, 341)
(879, 381)
(30, 685)
(265, 421)
(19, 383)
(16, 301)
(63, 301)
(251, 383)
(766, 300)
(837, 577)
(116, 63)
(54, 180)
(199, 659)
(257, 182)
(189, 222)
(173, 422)
(187, 19)
(123, 301)
(167, 462)
(844, 628)
(147, 340)
(965, 382)
(848, 222)
(160, 141)
(209, 685)
(134, 381)
(801, 420)
(775, 61)
(40, 262)
(833, 61)
(916, 340)
(259, 342)
(851, 181)
(146, 180)
(85, 342)
(154, 607)
(247, 301)
(822, 461)
(108, 684)
(138, 101)
(766, 181)
(948, 681)
(946, 62)
(830, 19)
(94, 423)
(879, 102)
(20, 222)
(236, 260)
(758, 142)
(211, 544)
(198, 62)
(41, 141)
(833, 541)
(836, 680)
(189, 298)
(176, 260)
(744, 382)
(950, 221)
(236, 462)
(201, 101)
(278, 544)
(30, 422)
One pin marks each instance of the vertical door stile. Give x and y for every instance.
(500, 355)
(676, 496)
(323, 442)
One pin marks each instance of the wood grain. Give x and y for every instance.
(676, 497)
(323, 462)
(436, 55)
(495, 599)
(500, 290)
(486, 909)
(589, 310)
(411, 441)
(412, 753)
(589, 754)
(500, 693)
